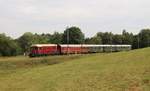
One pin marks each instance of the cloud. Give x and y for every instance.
(19, 16)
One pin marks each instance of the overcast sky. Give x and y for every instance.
(92, 16)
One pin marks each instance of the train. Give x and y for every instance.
(60, 49)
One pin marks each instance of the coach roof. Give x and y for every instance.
(78, 45)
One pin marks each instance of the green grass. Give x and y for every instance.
(122, 71)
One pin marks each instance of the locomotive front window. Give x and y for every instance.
(33, 48)
(40, 48)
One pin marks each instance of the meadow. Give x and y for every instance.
(120, 71)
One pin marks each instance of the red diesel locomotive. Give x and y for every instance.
(57, 49)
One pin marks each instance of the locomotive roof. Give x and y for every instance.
(43, 45)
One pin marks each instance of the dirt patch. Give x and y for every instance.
(135, 87)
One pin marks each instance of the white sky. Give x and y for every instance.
(92, 16)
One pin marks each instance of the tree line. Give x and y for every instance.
(71, 35)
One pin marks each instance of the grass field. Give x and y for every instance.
(122, 71)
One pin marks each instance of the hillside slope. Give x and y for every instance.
(122, 71)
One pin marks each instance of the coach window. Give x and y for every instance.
(34, 48)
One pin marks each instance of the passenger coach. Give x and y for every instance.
(57, 49)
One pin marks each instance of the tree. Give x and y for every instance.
(135, 44)
(8, 46)
(26, 40)
(47, 37)
(127, 38)
(40, 39)
(144, 36)
(117, 39)
(73, 35)
(56, 38)
(94, 40)
(107, 37)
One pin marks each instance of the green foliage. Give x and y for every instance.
(93, 40)
(144, 36)
(117, 39)
(56, 38)
(127, 37)
(142, 39)
(40, 39)
(8, 46)
(26, 40)
(135, 44)
(107, 37)
(73, 35)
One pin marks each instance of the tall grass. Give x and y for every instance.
(123, 71)
(24, 61)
